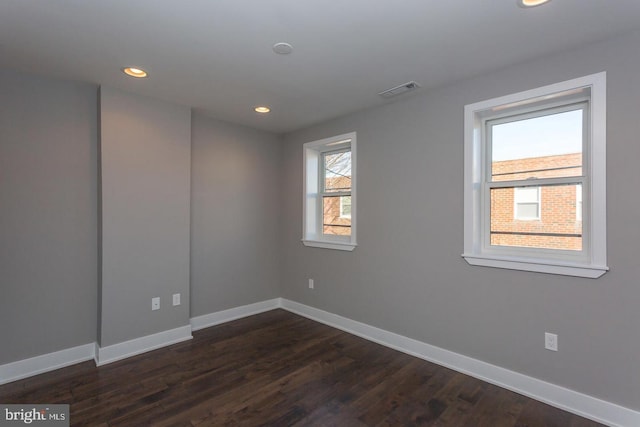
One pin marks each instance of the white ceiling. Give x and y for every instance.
(215, 55)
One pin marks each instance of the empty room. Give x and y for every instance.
(306, 213)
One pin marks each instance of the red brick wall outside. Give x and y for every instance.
(538, 167)
(557, 204)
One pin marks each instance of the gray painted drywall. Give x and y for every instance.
(235, 213)
(47, 215)
(145, 187)
(407, 275)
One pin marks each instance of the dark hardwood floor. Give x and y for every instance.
(280, 369)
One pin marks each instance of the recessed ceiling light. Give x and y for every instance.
(282, 48)
(531, 3)
(262, 109)
(134, 72)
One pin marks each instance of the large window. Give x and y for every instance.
(330, 193)
(529, 157)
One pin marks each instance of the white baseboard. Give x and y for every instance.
(224, 316)
(102, 355)
(47, 362)
(569, 400)
(140, 345)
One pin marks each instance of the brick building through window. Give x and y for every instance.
(537, 216)
(336, 211)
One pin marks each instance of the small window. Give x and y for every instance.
(329, 193)
(527, 203)
(528, 158)
(345, 207)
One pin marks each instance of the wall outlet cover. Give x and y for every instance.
(551, 341)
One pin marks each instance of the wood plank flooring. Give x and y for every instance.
(279, 369)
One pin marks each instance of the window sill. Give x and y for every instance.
(330, 245)
(540, 266)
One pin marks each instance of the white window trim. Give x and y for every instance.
(312, 234)
(595, 263)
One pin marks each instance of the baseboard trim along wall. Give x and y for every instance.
(47, 362)
(21, 369)
(224, 316)
(569, 400)
(140, 345)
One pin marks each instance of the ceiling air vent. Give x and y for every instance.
(399, 90)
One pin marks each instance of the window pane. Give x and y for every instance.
(555, 225)
(527, 194)
(542, 147)
(527, 211)
(337, 171)
(333, 222)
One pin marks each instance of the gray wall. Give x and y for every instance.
(407, 275)
(235, 231)
(51, 239)
(145, 187)
(47, 215)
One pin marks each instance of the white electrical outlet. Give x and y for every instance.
(551, 341)
(176, 299)
(155, 303)
(310, 283)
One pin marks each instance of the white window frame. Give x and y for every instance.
(312, 220)
(591, 262)
(516, 202)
